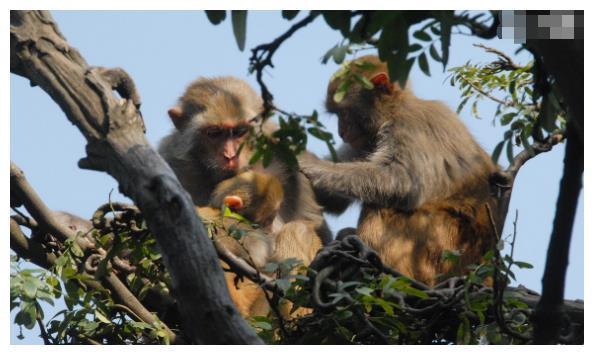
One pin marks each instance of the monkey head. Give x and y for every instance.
(354, 93)
(256, 196)
(215, 116)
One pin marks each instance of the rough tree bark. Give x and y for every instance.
(117, 145)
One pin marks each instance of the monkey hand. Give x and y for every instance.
(308, 164)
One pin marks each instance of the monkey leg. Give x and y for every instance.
(248, 297)
(297, 239)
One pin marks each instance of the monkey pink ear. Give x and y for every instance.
(234, 202)
(176, 114)
(382, 81)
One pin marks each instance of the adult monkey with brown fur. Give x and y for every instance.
(212, 120)
(423, 180)
(257, 197)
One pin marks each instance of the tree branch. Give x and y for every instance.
(503, 181)
(262, 57)
(42, 257)
(117, 145)
(548, 319)
(479, 29)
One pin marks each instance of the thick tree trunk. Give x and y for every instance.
(116, 144)
(564, 60)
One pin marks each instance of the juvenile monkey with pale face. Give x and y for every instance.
(423, 180)
(257, 197)
(212, 120)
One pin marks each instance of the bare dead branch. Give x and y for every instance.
(21, 189)
(28, 249)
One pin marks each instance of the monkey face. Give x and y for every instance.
(224, 142)
(351, 133)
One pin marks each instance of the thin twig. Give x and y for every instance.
(44, 335)
(262, 58)
(506, 63)
(486, 94)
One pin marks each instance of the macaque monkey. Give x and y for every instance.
(421, 177)
(212, 120)
(257, 197)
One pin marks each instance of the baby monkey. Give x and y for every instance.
(257, 197)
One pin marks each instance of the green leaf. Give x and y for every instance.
(338, 20)
(27, 315)
(239, 21)
(461, 105)
(446, 31)
(267, 157)
(421, 35)
(30, 286)
(332, 151)
(415, 47)
(339, 94)
(364, 81)
(289, 14)
(262, 325)
(435, 30)
(399, 70)
(102, 318)
(364, 291)
(523, 265)
(451, 255)
(415, 292)
(474, 109)
(509, 151)
(339, 54)
(256, 156)
(423, 64)
(464, 333)
(497, 152)
(76, 250)
(507, 118)
(434, 54)
(216, 16)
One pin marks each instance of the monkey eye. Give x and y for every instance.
(214, 132)
(239, 131)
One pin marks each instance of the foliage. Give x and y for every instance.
(386, 31)
(372, 300)
(526, 114)
(290, 139)
(379, 308)
(373, 307)
(92, 314)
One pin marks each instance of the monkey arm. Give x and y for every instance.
(331, 201)
(381, 180)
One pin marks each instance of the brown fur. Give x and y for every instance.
(262, 195)
(422, 178)
(196, 158)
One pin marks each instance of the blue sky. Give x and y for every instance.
(164, 51)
